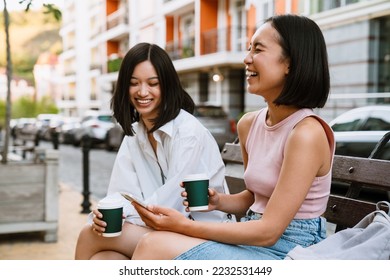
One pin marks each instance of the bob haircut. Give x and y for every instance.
(307, 83)
(173, 96)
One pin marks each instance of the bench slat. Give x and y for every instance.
(232, 153)
(370, 172)
(343, 211)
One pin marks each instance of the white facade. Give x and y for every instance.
(205, 38)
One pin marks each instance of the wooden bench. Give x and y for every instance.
(343, 210)
(29, 194)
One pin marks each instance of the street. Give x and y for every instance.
(70, 169)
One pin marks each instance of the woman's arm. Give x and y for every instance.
(307, 155)
(237, 204)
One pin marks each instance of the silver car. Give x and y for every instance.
(114, 137)
(357, 131)
(95, 124)
(212, 117)
(215, 119)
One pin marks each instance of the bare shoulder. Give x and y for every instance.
(309, 139)
(309, 129)
(246, 120)
(244, 125)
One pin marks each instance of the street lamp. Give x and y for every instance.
(217, 78)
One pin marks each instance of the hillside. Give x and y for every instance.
(31, 33)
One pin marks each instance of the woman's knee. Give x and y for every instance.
(149, 240)
(83, 245)
(150, 246)
(85, 234)
(163, 245)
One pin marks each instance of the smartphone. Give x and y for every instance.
(132, 198)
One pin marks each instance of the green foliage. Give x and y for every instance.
(46, 106)
(31, 33)
(51, 9)
(114, 64)
(26, 107)
(41, 107)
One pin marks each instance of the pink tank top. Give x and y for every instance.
(265, 161)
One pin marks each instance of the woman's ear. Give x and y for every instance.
(287, 65)
(287, 71)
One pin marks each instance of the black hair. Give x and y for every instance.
(173, 95)
(307, 84)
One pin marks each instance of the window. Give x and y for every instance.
(378, 120)
(188, 35)
(349, 122)
(240, 30)
(318, 6)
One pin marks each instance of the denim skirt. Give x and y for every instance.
(304, 232)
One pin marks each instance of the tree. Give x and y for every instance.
(4, 158)
(49, 9)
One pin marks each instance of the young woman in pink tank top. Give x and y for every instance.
(287, 151)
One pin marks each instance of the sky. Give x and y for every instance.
(13, 5)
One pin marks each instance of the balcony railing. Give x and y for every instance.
(116, 18)
(96, 66)
(181, 49)
(233, 38)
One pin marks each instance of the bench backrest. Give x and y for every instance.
(344, 211)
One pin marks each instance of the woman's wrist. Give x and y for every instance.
(221, 198)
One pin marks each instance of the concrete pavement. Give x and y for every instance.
(29, 246)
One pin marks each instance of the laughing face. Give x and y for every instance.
(266, 67)
(145, 94)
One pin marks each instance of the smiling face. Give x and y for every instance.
(266, 67)
(145, 93)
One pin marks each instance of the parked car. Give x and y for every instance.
(215, 119)
(67, 129)
(24, 129)
(95, 124)
(357, 131)
(114, 137)
(46, 123)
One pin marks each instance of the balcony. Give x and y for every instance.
(96, 66)
(117, 18)
(181, 49)
(229, 39)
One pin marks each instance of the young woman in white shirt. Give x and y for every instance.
(163, 143)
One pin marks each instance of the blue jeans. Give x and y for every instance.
(302, 232)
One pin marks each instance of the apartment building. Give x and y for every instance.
(207, 40)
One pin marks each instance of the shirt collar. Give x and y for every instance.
(166, 129)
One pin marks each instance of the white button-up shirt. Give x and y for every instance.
(184, 146)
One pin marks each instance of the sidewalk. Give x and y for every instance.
(30, 246)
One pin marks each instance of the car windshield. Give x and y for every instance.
(378, 120)
(370, 120)
(210, 112)
(350, 121)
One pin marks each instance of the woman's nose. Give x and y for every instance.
(248, 58)
(143, 91)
